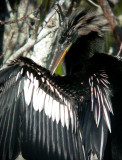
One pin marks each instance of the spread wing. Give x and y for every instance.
(35, 118)
(52, 117)
(105, 81)
(97, 120)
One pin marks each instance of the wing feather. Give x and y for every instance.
(34, 115)
(42, 118)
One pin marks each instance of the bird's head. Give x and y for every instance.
(80, 37)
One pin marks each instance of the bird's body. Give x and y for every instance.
(75, 117)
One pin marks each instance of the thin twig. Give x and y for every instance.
(93, 3)
(19, 19)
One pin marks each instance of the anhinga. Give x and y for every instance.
(44, 116)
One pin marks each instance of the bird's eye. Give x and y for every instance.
(68, 41)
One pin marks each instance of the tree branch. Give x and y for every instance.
(112, 20)
(29, 45)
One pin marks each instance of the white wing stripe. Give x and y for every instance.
(42, 100)
(104, 83)
(108, 105)
(101, 144)
(41, 96)
(67, 117)
(62, 114)
(28, 88)
(35, 94)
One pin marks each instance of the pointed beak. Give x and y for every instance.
(58, 58)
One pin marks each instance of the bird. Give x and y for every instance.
(46, 116)
(82, 47)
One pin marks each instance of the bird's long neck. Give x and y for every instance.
(80, 52)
